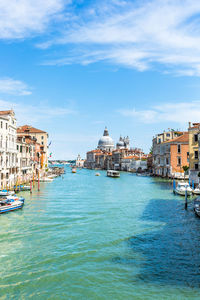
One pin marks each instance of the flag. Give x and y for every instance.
(50, 155)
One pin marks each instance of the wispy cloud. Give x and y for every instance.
(36, 113)
(135, 34)
(14, 87)
(20, 19)
(144, 35)
(179, 113)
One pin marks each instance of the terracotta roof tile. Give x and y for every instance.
(6, 112)
(184, 138)
(29, 129)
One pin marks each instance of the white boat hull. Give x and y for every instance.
(14, 206)
(182, 193)
(196, 191)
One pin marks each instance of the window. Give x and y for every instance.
(159, 141)
(42, 137)
(196, 137)
(168, 134)
(196, 166)
(1, 124)
(21, 148)
(179, 148)
(196, 154)
(167, 161)
(42, 143)
(179, 161)
(6, 125)
(17, 147)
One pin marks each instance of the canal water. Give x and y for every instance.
(89, 237)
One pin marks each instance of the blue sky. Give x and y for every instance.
(74, 67)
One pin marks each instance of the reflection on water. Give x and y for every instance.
(89, 237)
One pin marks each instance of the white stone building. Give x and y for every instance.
(8, 149)
(80, 162)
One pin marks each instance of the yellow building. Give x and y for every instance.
(41, 137)
(193, 131)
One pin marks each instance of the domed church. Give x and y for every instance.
(123, 143)
(106, 143)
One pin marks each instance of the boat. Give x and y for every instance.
(10, 205)
(25, 188)
(15, 198)
(196, 191)
(97, 174)
(46, 179)
(197, 206)
(52, 176)
(181, 188)
(4, 193)
(74, 170)
(113, 173)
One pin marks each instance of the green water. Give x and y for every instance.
(88, 237)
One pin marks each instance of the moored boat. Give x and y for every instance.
(46, 179)
(113, 173)
(4, 193)
(182, 187)
(15, 198)
(196, 191)
(25, 188)
(10, 205)
(197, 206)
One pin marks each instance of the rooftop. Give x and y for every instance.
(184, 138)
(6, 112)
(29, 129)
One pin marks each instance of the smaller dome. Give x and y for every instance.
(120, 144)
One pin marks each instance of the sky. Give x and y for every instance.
(73, 67)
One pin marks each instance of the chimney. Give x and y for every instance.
(189, 124)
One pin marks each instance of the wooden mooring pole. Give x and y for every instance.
(186, 203)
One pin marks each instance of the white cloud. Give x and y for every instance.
(139, 34)
(179, 113)
(21, 18)
(14, 87)
(28, 113)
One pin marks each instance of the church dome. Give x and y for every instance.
(106, 142)
(120, 144)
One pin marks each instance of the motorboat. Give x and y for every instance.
(15, 198)
(182, 187)
(197, 206)
(10, 205)
(74, 170)
(196, 191)
(4, 193)
(113, 173)
(97, 174)
(52, 176)
(46, 179)
(25, 188)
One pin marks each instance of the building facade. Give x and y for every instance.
(8, 149)
(40, 137)
(194, 151)
(170, 155)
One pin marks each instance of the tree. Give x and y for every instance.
(185, 169)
